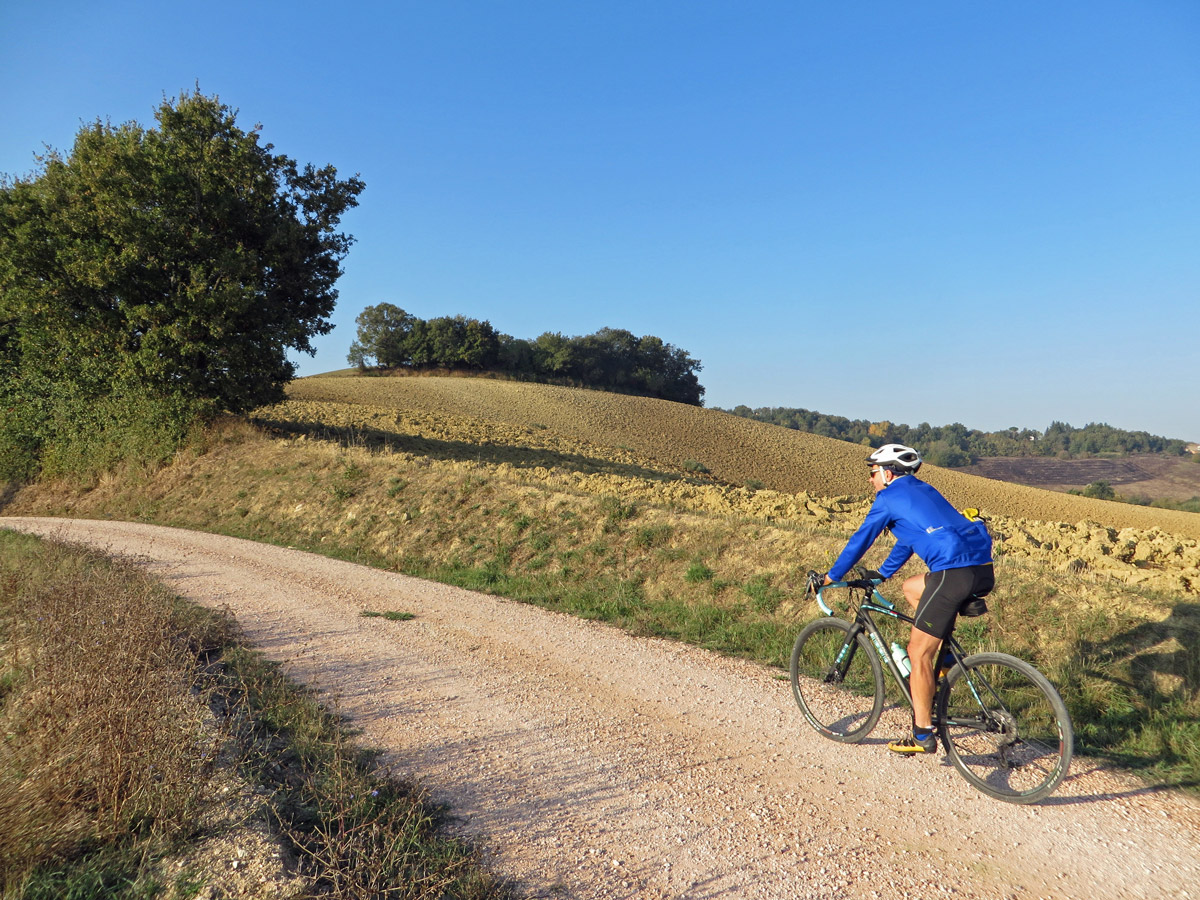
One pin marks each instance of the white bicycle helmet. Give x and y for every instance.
(896, 457)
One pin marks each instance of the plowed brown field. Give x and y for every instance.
(733, 449)
(1153, 476)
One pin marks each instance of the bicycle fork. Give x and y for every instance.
(841, 664)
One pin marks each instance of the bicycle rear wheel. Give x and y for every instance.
(1004, 727)
(837, 680)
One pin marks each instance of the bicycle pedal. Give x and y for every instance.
(911, 746)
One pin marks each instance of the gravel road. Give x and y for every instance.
(593, 764)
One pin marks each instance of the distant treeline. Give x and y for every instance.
(611, 359)
(957, 445)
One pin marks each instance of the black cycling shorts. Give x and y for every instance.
(945, 593)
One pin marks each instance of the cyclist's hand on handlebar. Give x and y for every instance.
(814, 581)
(867, 579)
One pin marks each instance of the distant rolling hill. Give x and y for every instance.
(731, 448)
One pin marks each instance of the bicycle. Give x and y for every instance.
(1004, 726)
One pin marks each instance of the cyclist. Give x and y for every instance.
(957, 550)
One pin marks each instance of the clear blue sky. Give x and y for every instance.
(923, 212)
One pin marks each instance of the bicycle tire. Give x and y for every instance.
(842, 708)
(1005, 728)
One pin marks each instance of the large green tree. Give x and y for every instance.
(185, 260)
(383, 337)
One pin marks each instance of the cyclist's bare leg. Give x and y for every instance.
(922, 650)
(914, 587)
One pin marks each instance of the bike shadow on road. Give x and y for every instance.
(1099, 781)
(1090, 779)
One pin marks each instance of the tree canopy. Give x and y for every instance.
(610, 359)
(177, 263)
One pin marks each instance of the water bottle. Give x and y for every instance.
(900, 655)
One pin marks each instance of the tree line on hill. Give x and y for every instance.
(153, 277)
(611, 359)
(956, 445)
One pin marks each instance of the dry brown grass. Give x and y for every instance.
(546, 444)
(659, 453)
(104, 735)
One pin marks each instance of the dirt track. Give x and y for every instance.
(597, 765)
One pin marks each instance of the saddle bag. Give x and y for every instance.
(973, 606)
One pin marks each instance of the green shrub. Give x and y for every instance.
(652, 536)
(66, 434)
(1099, 490)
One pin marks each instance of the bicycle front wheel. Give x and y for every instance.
(1004, 727)
(837, 680)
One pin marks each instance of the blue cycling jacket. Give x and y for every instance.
(923, 522)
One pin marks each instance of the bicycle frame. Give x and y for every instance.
(875, 602)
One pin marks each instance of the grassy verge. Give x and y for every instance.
(123, 710)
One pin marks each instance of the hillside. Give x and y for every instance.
(734, 450)
(386, 463)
